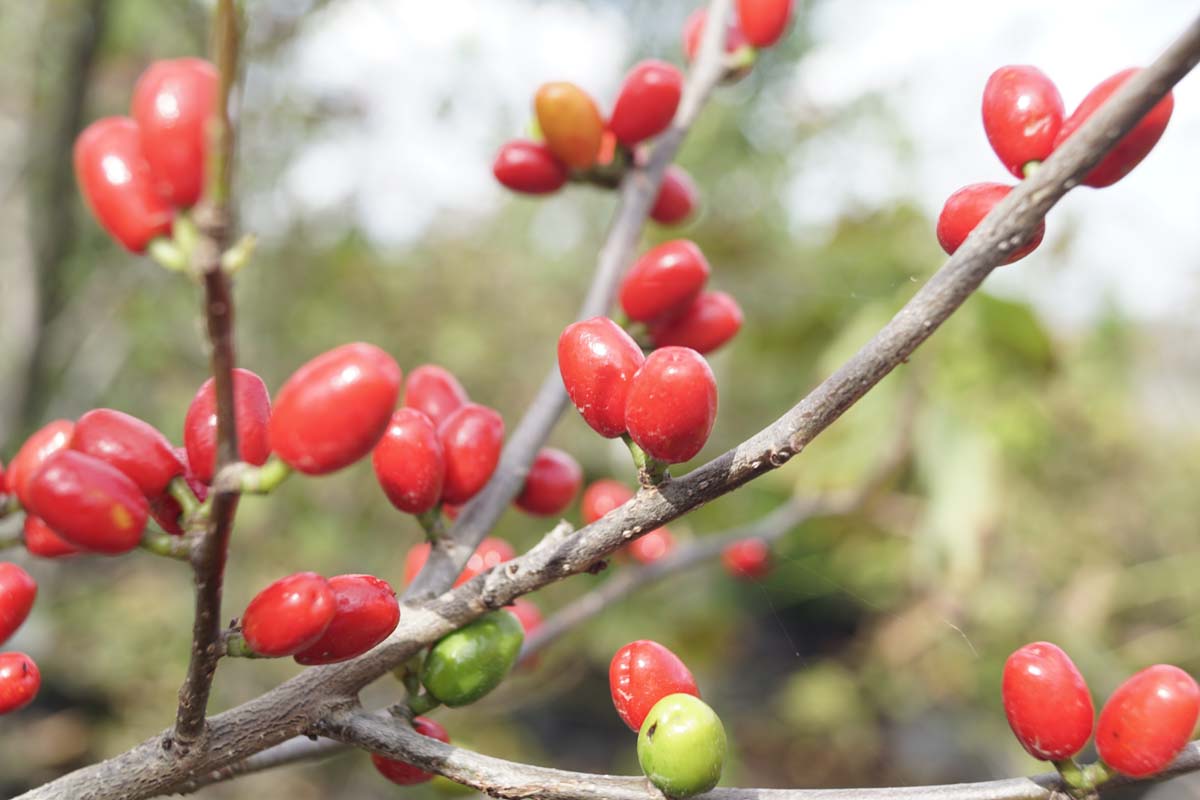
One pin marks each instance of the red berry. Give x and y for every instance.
(597, 360)
(45, 442)
(553, 481)
(672, 404)
(366, 613)
(529, 167)
(1022, 114)
(676, 198)
(19, 681)
(749, 558)
(763, 21)
(1136, 145)
(134, 447)
(664, 281)
(173, 103)
(491, 552)
(435, 392)
(451, 510)
(967, 207)
(1148, 720)
(471, 439)
(290, 615)
(17, 591)
(1047, 702)
(570, 123)
(602, 497)
(3, 479)
(409, 463)
(118, 185)
(647, 102)
(641, 674)
(710, 321)
(693, 35)
(43, 542)
(406, 774)
(651, 547)
(334, 409)
(252, 412)
(90, 503)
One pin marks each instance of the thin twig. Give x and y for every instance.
(292, 751)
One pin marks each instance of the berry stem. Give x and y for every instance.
(434, 523)
(651, 471)
(168, 254)
(1029, 169)
(189, 504)
(264, 479)
(166, 545)
(239, 254)
(421, 704)
(237, 647)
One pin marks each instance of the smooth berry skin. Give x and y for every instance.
(529, 168)
(672, 404)
(173, 102)
(747, 559)
(89, 502)
(334, 409)
(1047, 702)
(34, 453)
(118, 185)
(693, 35)
(409, 463)
(570, 123)
(712, 320)
(664, 281)
(647, 102)
(491, 552)
(640, 674)
(552, 484)
(3, 479)
(653, 546)
(967, 207)
(290, 615)
(43, 542)
(465, 665)
(19, 681)
(681, 746)
(435, 392)
(1148, 720)
(471, 440)
(1022, 115)
(597, 361)
(366, 612)
(602, 497)
(1136, 144)
(406, 774)
(134, 447)
(252, 412)
(17, 592)
(677, 198)
(763, 22)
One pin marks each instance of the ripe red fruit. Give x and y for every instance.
(664, 281)
(672, 404)
(471, 439)
(967, 207)
(570, 123)
(88, 502)
(529, 168)
(1148, 720)
(1047, 702)
(134, 447)
(334, 409)
(1022, 114)
(409, 462)
(366, 613)
(19, 681)
(42, 444)
(252, 411)
(3, 479)
(1136, 144)
(651, 547)
(435, 392)
(597, 361)
(43, 542)
(676, 198)
(641, 674)
(491, 552)
(117, 183)
(647, 102)
(173, 102)
(748, 558)
(17, 592)
(406, 774)
(602, 497)
(763, 21)
(289, 615)
(553, 481)
(693, 35)
(710, 321)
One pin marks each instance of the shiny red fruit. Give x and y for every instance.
(491, 552)
(650, 548)
(967, 207)
(409, 462)
(134, 447)
(553, 481)
(471, 440)
(602, 497)
(117, 183)
(710, 321)
(1148, 721)
(42, 444)
(3, 479)
(406, 774)
(88, 502)
(435, 392)
(597, 361)
(763, 22)
(1022, 115)
(19, 681)
(367, 612)
(664, 281)
(17, 592)
(1047, 702)
(252, 413)
(529, 168)
(641, 674)
(173, 104)
(290, 615)
(748, 558)
(1136, 144)
(334, 409)
(570, 123)
(693, 35)
(676, 199)
(672, 404)
(647, 102)
(43, 542)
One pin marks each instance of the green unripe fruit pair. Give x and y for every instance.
(467, 664)
(681, 746)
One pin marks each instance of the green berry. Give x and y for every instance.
(681, 746)
(467, 664)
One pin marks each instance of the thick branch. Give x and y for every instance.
(292, 751)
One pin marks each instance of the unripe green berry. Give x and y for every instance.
(681, 746)
(467, 664)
